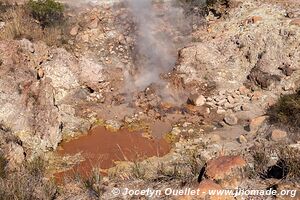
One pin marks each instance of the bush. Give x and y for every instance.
(286, 111)
(28, 183)
(47, 12)
(19, 24)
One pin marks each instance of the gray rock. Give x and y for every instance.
(231, 119)
(246, 107)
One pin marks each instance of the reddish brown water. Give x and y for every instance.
(102, 148)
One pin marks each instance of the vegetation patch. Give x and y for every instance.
(287, 164)
(21, 24)
(27, 183)
(47, 12)
(93, 183)
(286, 111)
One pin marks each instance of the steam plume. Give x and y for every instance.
(156, 51)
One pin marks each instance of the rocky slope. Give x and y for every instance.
(239, 62)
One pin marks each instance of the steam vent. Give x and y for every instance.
(149, 99)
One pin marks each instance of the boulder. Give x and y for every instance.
(226, 170)
(203, 192)
(208, 185)
(231, 99)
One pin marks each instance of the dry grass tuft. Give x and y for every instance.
(286, 111)
(287, 164)
(20, 24)
(28, 183)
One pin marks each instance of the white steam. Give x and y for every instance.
(156, 52)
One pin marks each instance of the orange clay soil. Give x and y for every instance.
(102, 148)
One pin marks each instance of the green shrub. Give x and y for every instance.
(286, 111)
(47, 12)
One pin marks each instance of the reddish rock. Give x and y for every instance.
(295, 22)
(209, 185)
(204, 187)
(256, 95)
(244, 91)
(227, 170)
(220, 167)
(255, 19)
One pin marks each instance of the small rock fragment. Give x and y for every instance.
(278, 135)
(242, 139)
(231, 119)
(196, 100)
(256, 123)
(74, 31)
